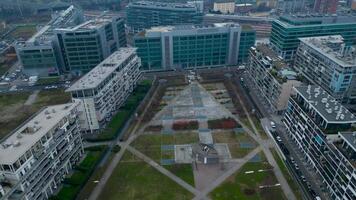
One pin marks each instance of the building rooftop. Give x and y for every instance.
(278, 68)
(26, 135)
(326, 105)
(315, 19)
(162, 5)
(92, 24)
(102, 71)
(334, 48)
(59, 20)
(159, 29)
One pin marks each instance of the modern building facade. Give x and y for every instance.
(187, 47)
(272, 77)
(86, 45)
(106, 87)
(329, 62)
(146, 14)
(247, 40)
(38, 55)
(320, 127)
(224, 6)
(287, 29)
(36, 157)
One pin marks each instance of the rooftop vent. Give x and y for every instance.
(19, 136)
(48, 117)
(16, 143)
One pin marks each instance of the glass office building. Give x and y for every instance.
(287, 29)
(85, 46)
(145, 14)
(187, 47)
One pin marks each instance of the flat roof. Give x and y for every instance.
(159, 29)
(41, 123)
(334, 48)
(103, 70)
(326, 105)
(162, 5)
(315, 19)
(91, 24)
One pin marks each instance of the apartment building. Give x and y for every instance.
(322, 129)
(106, 87)
(272, 77)
(38, 55)
(329, 62)
(86, 45)
(146, 14)
(36, 156)
(190, 46)
(287, 30)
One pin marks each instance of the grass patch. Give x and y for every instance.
(183, 171)
(24, 32)
(246, 186)
(138, 180)
(287, 175)
(82, 172)
(118, 121)
(233, 140)
(48, 81)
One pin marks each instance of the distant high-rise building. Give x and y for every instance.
(37, 156)
(326, 6)
(287, 29)
(86, 45)
(163, 48)
(105, 88)
(145, 14)
(291, 6)
(353, 5)
(322, 130)
(38, 55)
(328, 62)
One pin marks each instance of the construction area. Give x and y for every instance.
(192, 142)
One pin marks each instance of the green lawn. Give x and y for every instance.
(24, 32)
(287, 175)
(138, 180)
(246, 186)
(183, 171)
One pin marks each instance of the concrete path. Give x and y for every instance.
(227, 174)
(164, 171)
(32, 98)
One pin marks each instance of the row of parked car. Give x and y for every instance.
(293, 164)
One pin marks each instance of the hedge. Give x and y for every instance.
(82, 172)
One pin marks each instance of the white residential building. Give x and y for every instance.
(106, 87)
(225, 7)
(36, 157)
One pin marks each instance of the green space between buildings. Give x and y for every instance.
(135, 179)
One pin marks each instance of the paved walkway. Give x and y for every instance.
(227, 174)
(32, 98)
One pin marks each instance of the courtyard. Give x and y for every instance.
(193, 142)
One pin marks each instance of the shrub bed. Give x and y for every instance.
(154, 128)
(225, 123)
(185, 125)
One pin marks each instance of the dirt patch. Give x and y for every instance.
(185, 125)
